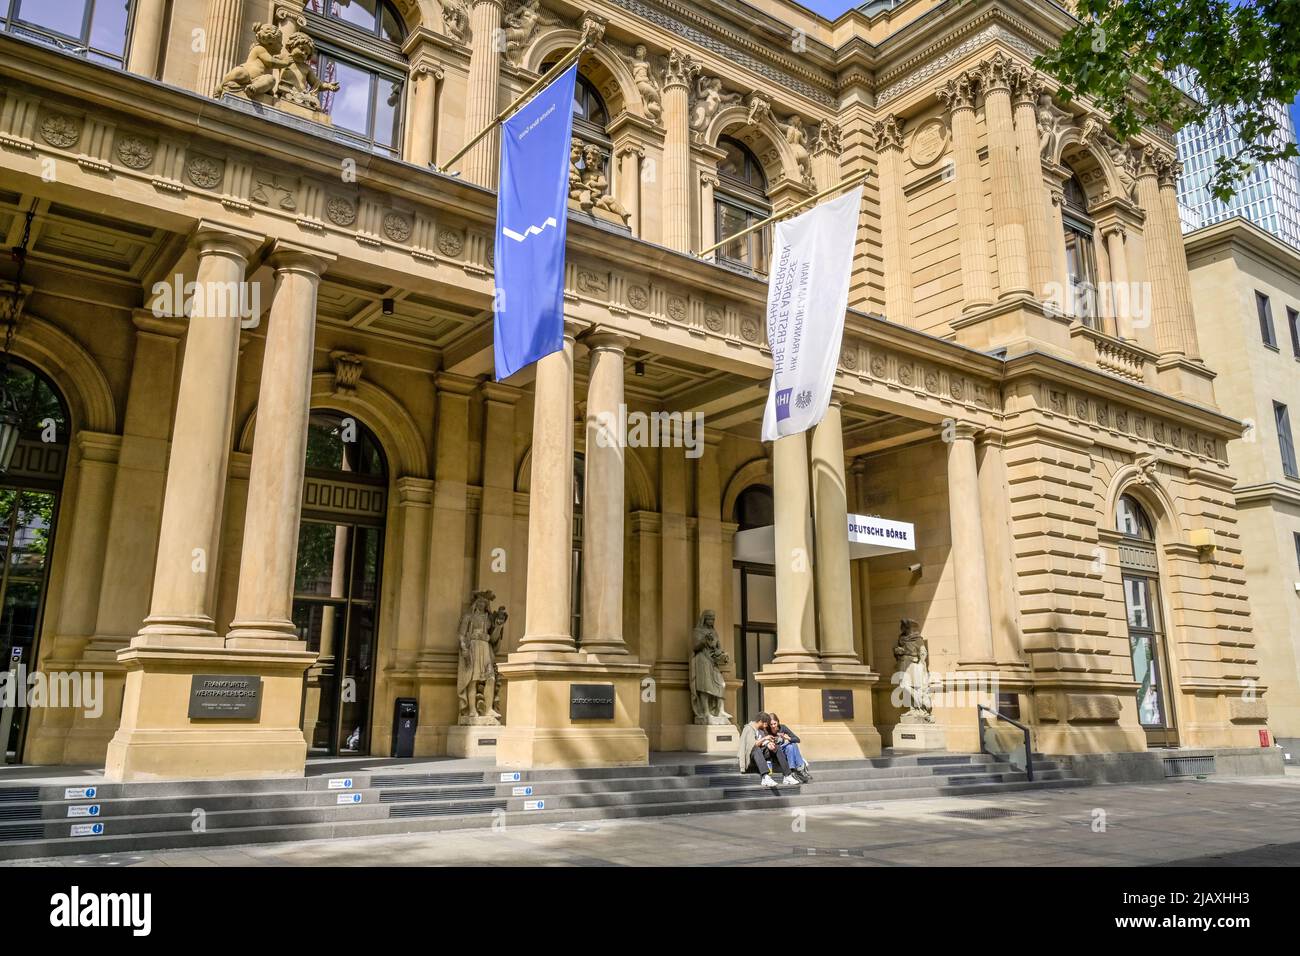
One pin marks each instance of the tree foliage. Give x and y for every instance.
(1243, 55)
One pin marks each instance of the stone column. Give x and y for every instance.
(146, 38)
(548, 622)
(863, 570)
(678, 78)
(1160, 255)
(796, 637)
(977, 290)
(221, 28)
(264, 607)
(970, 566)
(497, 561)
(603, 509)
(899, 307)
(423, 99)
(830, 511)
(1182, 284)
(1033, 193)
(629, 181)
(190, 531)
(480, 164)
(1008, 214)
(1056, 218)
(1121, 297)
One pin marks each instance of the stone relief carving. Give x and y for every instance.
(1052, 124)
(60, 130)
(749, 330)
(269, 190)
(347, 371)
(134, 152)
(680, 69)
(299, 83)
(455, 20)
(478, 684)
(205, 172)
(588, 184)
(829, 138)
(521, 24)
(797, 137)
(638, 298)
(450, 243)
(759, 109)
(340, 211)
(257, 74)
(397, 227)
(888, 133)
(644, 79)
(912, 673)
(709, 99)
(708, 686)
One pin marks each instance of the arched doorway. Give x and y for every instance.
(29, 502)
(1140, 572)
(336, 586)
(754, 593)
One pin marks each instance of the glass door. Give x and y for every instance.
(754, 590)
(1150, 663)
(336, 595)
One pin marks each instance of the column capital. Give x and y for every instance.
(966, 431)
(1154, 161)
(829, 139)
(291, 257)
(169, 326)
(607, 338)
(499, 393)
(218, 238)
(415, 492)
(888, 132)
(959, 92)
(449, 383)
(1029, 86)
(680, 71)
(997, 73)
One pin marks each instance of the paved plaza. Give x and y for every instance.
(1239, 821)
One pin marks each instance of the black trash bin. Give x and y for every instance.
(406, 718)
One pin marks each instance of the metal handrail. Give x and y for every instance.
(980, 710)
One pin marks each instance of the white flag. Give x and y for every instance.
(808, 291)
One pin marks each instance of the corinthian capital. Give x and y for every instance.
(959, 92)
(1029, 86)
(681, 69)
(1154, 161)
(996, 73)
(889, 133)
(828, 139)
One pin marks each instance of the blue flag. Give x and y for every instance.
(532, 222)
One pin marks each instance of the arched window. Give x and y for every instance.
(95, 29)
(1080, 254)
(754, 508)
(1140, 576)
(359, 47)
(740, 201)
(588, 107)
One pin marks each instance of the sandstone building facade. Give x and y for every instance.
(305, 481)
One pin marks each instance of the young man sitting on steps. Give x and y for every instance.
(758, 748)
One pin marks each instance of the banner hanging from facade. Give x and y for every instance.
(532, 223)
(808, 291)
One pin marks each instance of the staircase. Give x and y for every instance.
(87, 817)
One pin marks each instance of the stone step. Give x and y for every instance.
(450, 817)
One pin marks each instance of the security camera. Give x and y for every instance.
(915, 568)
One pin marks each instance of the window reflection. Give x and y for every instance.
(95, 29)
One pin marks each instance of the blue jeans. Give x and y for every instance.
(793, 755)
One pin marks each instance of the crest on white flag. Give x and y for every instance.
(808, 291)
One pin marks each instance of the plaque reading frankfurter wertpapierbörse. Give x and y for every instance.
(225, 697)
(591, 701)
(837, 705)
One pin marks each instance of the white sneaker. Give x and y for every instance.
(769, 780)
(790, 781)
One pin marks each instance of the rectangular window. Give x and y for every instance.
(1296, 535)
(1293, 323)
(1265, 320)
(1285, 440)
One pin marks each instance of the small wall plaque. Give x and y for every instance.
(591, 701)
(837, 705)
(225, 697)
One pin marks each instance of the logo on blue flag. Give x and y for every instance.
(532, 224)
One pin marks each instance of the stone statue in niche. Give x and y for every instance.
(708, 686)
(643, 78)
(478, 683)
(709, 98)
(912, 675)
(588, 184)
(455, 19)
(520, 25)
(797, 137)
(258, 74)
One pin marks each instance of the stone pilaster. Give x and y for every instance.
(893, 221)
(147, 38)
(1160, 255)
(977, 290)
(826, 155)
(969, 561)
(830, 511)
(422, 105)
(1121, 297)
(480, 163)
(1008, 213)
(1182, 284)
(677, 81)
(496, 557)
(629, 182)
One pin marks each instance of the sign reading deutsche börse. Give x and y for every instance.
(225, 696)
(895, 535)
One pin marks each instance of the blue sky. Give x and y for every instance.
(833, 8)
